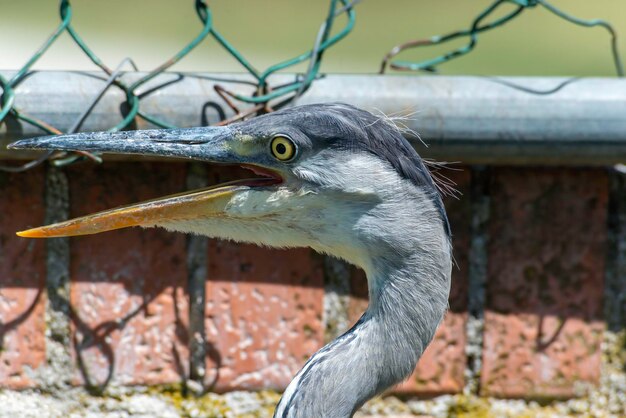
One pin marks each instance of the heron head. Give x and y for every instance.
(324, 176)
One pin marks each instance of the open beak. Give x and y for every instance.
(209, 144)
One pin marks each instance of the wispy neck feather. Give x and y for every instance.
(407, 302)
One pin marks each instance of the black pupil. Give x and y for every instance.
(281, 148)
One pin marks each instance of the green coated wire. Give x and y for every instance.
(524, 3)
(309, 54)
(9, 93)
(263, 94)
(431, 64)
(262, 77)
(205, 15)
(296, 60)
(236, 54)
(8, 97)
(43, 126)
(90, 54)
(590, 23)
(472, 33)
(65, 9)
(133, 99)
(7, 85)
(128, 90)
(22, 72)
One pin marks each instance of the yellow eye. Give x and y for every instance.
(283, 148)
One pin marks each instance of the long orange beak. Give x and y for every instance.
(209, 202)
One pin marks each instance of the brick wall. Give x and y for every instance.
(526, 315)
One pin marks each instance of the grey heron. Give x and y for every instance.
(327, 176)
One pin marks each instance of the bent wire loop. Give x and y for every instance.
(480, 24)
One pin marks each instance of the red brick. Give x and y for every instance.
(543, 319)
(128, 286)
(441, 368)
(22, 279)
(263, 315)
(395, 416)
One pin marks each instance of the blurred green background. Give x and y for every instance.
(535, 43)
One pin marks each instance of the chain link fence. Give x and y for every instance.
(262, 96)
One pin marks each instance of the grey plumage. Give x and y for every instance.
(345, 127)
(355, 189)
(347, 130)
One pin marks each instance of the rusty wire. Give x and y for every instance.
(257, 102)
(477, 26)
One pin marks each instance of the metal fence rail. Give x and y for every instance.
(471, 119)
(450, 116)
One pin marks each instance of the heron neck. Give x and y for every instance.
(407, 302)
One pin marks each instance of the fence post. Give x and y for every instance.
(477, 275)
(58, 369)
(197, 250)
